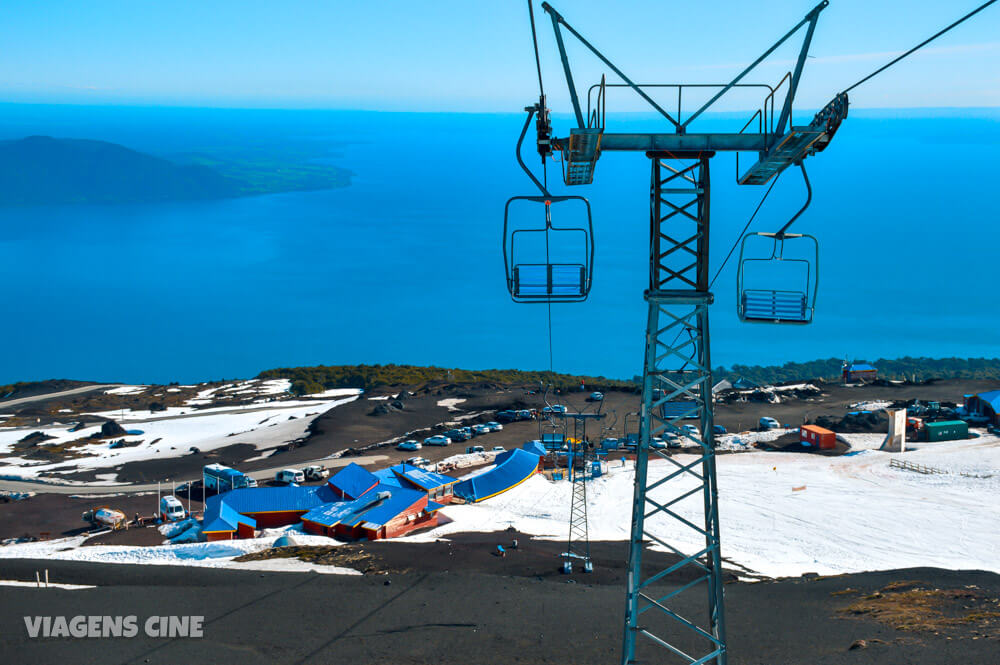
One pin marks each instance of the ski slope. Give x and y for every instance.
(849, 514)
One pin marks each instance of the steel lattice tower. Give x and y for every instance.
(677, 367)
(578, 544)
(677, 507)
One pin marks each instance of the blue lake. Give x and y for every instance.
(405, 265)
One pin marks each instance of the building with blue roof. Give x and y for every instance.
(385, 512)
(352, 481)
(858, 372)
(985, 404)
(354, 503)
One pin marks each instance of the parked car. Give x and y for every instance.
(315, 472)
(524, 414)
(498, 449)
(657, 443)
(609, 444)
(673, 441)
(718, 429)
(474, 449)
(494, 426)
(457, 435)
(596, 397)
(469, 432)
(691, 431)
(289, 476)
(417, 461)
(481, 429)
(507, 416)
(409, 445)
(769, 423)
(437, 440)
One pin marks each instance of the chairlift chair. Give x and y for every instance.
(764, 303)
(533, 276)
(787, 293)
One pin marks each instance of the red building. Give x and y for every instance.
(817, 437)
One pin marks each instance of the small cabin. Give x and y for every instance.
(817, 437)
(859, 373)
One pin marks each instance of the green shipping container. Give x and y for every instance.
(947, 430)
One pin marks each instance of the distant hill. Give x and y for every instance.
(907, 368)
(307, 380)
(42, 169)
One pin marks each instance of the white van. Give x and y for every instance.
(769, 423)
(289, 476)
(171, 509)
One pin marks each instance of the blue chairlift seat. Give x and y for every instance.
(532, 274)
(549, 280)
(765, 302)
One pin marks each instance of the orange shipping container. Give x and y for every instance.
(819, 437)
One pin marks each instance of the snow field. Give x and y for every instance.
(208, 429)
(785, 514)
(208, 555)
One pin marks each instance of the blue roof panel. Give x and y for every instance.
(862, 367)
(992, 398)
(388, 477)
(220, 516)
(353, 480)
(426, 480)
(385, 511)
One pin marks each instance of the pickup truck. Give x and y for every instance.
(316, 472)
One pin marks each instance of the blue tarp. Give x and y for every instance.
(862, 367)
(513, 468)
(353, 480)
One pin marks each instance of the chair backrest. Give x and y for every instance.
(545, 262)
(544, 280)
(780, 286)
(775, 306)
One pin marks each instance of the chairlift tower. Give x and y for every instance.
(677, 359)
(578, 544)
(578, 470)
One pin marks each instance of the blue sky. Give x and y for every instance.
(445, 55)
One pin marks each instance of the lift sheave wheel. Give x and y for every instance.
(545, 263)
(777, 285)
